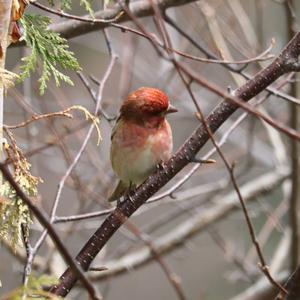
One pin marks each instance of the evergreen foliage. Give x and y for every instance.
(48, 47)
(34, 289)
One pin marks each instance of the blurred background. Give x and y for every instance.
(198, 228)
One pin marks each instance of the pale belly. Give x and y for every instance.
(135, 162)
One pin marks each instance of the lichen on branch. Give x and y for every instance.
(15, 216)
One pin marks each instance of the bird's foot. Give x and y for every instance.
(130, 192)
(161, 166)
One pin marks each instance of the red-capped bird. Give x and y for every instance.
(141, 138)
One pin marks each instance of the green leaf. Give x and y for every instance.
(49, 48)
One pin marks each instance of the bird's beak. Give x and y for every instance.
(171, 109)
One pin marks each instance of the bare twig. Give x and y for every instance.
(64, 113)
(265, 55)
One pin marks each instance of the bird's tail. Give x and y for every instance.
(119, 191)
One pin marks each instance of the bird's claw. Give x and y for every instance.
(130, 199)
(161, 166)
(130, 192)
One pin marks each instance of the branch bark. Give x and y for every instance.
(286, 61)
(211, 214)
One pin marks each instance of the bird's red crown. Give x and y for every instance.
(145, 100)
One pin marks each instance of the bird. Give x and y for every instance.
(141, 139)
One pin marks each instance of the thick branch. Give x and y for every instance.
(284, 63)
(143, 8)
(212, 213)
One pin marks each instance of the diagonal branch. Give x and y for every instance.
(287, 61)
(216, 210)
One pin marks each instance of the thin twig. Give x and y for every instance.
(64, 113)
(265, 55)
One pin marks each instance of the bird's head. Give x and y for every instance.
(146, 104)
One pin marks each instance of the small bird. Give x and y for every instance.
(141, 138)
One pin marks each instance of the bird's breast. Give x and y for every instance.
(136, 150)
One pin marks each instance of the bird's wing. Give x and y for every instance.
(118, 192)
(115, 127)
